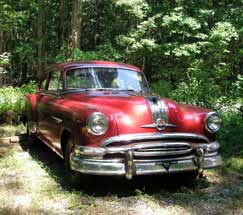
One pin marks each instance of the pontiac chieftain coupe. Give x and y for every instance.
(102, 120)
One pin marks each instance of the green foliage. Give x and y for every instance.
(135, 7)
(12, 98)
(104, 52)
(238, 86)
(4, 58)
(196, 92)
(191, 51)
(231, 135)
(161, 88)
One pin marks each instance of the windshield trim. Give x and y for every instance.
(98, 66)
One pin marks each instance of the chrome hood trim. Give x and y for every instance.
(158, 126)
(159, 112)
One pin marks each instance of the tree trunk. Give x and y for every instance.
(40, 39)
(1, 42)
(147, 67)
(76, 23)
(62, 19)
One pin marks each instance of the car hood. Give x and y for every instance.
(130, 110)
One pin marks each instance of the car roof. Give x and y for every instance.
(110, 64)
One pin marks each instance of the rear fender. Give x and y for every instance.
(30, 107)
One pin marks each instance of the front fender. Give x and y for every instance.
(191, 119)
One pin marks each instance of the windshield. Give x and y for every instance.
(106, 79)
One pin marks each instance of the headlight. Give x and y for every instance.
(212, 122)
(97, 123)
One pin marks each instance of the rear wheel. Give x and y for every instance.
(30, 131)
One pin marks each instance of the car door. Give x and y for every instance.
(40, 107)
(50, 124)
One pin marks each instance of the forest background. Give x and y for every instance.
(189, 50)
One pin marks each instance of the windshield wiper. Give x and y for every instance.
(101, 89)
(114, 89)
(132, 90)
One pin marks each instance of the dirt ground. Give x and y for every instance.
(32, 181)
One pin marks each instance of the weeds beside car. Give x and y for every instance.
(12, 101)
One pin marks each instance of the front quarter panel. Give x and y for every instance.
(191, 119)
(75, 115)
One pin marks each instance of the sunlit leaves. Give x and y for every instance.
(177, 19)
(135, 7)
(223, 32)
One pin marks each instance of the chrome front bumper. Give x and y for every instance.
(90, 160)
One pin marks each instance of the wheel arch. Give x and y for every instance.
(65, 134)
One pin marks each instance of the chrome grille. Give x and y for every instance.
(164, 149)
(156, 149)
(155, 146)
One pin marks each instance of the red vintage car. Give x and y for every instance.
(102, 119)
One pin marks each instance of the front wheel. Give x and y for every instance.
(74, 178)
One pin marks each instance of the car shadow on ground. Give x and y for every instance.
(101, 186)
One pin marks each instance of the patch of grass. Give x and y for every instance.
(6, 150)
(28, 188)
(7, 130)
(233, 166)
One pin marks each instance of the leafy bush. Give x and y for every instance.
(196, 92)
(12, 98)
(231, 136)
(238, 88)
(163, 88)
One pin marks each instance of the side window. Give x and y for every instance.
(55, 80)
(79, 78)
(43, 82)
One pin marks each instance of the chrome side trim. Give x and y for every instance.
(151, 136)
(57, 120)
(41, 137)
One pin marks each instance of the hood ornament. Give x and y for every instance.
(159, 112)
(160, 125)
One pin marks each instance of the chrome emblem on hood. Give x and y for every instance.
(159, 113)
(160, 124)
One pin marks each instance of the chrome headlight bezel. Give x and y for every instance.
(95, 120)
(212, 122)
